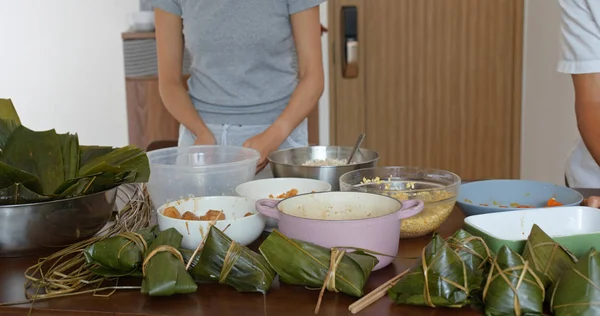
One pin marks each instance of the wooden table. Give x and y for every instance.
(222, 300)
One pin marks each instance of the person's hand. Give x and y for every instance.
(205, 138)
(592, 201)
(265, 143)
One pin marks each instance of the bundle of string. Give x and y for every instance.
(329, 283)
(66, 273)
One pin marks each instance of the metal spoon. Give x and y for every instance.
(359, 141)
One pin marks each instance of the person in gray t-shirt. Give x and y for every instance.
(256, 70)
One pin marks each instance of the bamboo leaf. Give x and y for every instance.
(89, 153)
(70, 154)
(548, 258)
(8, 112)
(10, 176)
(19, 194)
(38, 153)
(121, 254)
(578, 290)
(165, 274)
(473, 251)
(224, 261)
(302, 263)
(476, 255)
(440, 278)
(128, 158)
(94, 183)
(512, 287)
(7, 127)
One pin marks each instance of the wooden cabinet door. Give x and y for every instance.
(438, 84)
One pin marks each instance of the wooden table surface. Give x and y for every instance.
(218, 299)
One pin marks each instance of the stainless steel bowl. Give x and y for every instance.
(287, 163)
(29, 229)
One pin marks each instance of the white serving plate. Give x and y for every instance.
(575, 227)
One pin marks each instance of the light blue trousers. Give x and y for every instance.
(236, 135)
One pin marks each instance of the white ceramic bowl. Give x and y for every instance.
(243, 230)
(261, 189)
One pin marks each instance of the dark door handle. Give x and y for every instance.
(349, 27)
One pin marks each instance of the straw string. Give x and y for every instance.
(157, 250)
(585, 278)
(426, 292)
(233, 254)
(503, 274)
(556, 247)
(463, 245)
(134, 238)
(66, 273)
(329, 283)
(201, 245)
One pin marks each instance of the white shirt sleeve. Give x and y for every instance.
(580, 36)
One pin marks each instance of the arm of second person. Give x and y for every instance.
(587, 109)
(169, 46)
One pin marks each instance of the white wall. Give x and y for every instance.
(549, 128)
(62, 64)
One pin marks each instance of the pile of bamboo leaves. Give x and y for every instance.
(38, 166)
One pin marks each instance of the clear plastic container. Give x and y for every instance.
(182, 172)
(438, 189)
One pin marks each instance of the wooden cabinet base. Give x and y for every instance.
(147, 118)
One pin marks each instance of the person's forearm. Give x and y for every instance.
(303, 101)
(179, 104)
(588, 123)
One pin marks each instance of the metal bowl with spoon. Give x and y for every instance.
(292, 163)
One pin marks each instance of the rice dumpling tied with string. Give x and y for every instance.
(548, 258)
(578, 290)
(163, 268)
(306, 264)
(225, 261)
(38, 166)
(512, 286)
(121, 254)
(473, 250)
(440, 278)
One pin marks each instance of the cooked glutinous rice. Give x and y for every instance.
(325, 162)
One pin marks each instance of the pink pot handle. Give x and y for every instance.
(268, 208)
(410, 208)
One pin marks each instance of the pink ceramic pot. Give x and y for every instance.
(343, 219)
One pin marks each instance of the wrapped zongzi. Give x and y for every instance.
(225, 261)
(548, 259)
(303, 263)
(440, 278)
(473, 250)
(120, 255)
(163, 268)
(512, 287)
(578, 290)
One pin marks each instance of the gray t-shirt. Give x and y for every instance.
(244, 67)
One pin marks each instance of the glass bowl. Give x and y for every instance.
(438, 189)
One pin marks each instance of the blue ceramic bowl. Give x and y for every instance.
(492, 196)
